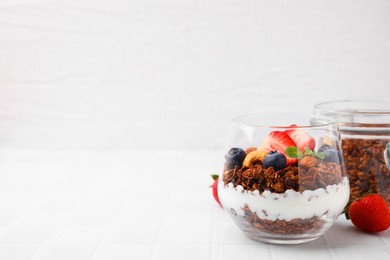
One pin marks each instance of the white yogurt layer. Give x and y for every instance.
(289, 205)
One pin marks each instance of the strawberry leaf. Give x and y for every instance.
(214, 176)
(320, 155)
(309, 152)
(294, 152)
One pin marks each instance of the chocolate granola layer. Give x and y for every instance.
(366, 168)
(295, 226)
(297, 178)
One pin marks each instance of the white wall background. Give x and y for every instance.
(119, 74)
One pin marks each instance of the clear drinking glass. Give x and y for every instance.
(365, 138)
(283, 180)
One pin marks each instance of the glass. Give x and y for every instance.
(365, 133)
(283, 183)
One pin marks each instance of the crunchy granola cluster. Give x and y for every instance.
(365, 165)
(298, 178)
(282, 227)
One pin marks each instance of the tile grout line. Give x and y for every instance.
(60, 225)
(109, 227)
(25, 210)
(170, 202)
(386, 243)
(213, 241)
(329, 246)
(37, 200)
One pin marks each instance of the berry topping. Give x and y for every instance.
(324, 147)
(275, 160)
(278, 141)
(331, 154)
(369, 213)
(301, 139)
(234, 158)
(215, 188)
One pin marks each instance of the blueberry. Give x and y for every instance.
(324, 147)
(332, 155)
(234, 158)
(276, 160)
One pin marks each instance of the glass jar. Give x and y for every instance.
(281, 183)
(365, 133)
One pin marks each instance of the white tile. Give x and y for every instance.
(99, 208)
(187, 252)
(99, 221)
(16, 202)
(24, 235)
(136, 202)
(65, 253)
(5, 219)
(302, 252)
(124, 252)
(234, 252)
(223, 218)
(345, 233)
(139, 236)
(193, 205)
(202, 219)
(149, 218)
(17, 252)
(51, 206)
(104, 196)
(196, 235)
(77, 236)
(361, 252)
(38, 220)
(231, 236)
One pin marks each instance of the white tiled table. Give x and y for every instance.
(146, 204)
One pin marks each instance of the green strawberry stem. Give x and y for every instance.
(214, 176)
(346, 209)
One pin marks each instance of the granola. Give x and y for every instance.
(365, 165)
(298, 178)
(282, 227)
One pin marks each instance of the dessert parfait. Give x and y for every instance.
(287, 188)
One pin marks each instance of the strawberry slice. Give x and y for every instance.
(279, 141)
(301, 138)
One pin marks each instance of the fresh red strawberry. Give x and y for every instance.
(369, 213)
(215, 188)
(301, 138)
(279, 141)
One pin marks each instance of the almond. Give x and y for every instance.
(308, 161)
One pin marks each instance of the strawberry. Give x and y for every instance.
(215, 188)
(279, 141)
(301, 138)
(369, 213)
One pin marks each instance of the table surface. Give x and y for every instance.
(140, 204)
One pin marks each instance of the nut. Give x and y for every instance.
(254, 157)
(250, 149)
(308, 161)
